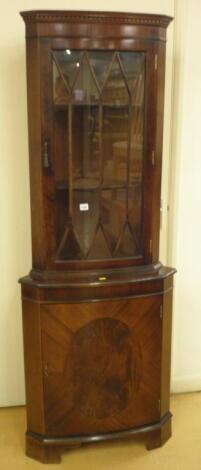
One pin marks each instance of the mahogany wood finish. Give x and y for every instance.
(96, 307)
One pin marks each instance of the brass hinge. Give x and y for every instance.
(161, 311)
(159, 405)
(150, 246)
(156, 62)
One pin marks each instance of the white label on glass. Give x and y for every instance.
(84, 207)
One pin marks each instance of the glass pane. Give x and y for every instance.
(134, 212)
(61, 147)
(85, 88)
(99, 248)
(113, 210)
(115, 90)
(65, 69)
(70, 247)
(133, 64)
(101, 63)
(126, 244)
(98, 153)
(85, 146)
(115, 144)
(60, 89)
(61, 215)
(85, 216)
(136, 144)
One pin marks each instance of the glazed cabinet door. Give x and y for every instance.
(96, 155)
(101, 365)
(98, 100)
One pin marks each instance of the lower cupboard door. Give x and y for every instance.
(101, 365)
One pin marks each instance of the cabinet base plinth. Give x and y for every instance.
(158, 437)
(49, 449)
(39, 451)
(47, 452)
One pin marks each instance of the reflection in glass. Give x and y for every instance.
(99, 247)
(115, 90)
(85, 86)
(85, 221)
(85, 146)
(65, 69)
(115, 136)
(133, 65)
(100, 63)
(113, 207)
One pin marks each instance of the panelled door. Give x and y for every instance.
(102, 365)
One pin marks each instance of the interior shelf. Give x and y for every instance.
(84, 184)
(64, 106)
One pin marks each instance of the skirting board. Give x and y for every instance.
(186, 383)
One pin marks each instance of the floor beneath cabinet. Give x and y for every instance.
(181, 452)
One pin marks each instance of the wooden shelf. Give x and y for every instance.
(64, 106)
(93, 185)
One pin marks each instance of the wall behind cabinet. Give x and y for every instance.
(185, 198)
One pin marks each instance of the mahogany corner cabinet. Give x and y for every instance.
(97, 302)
